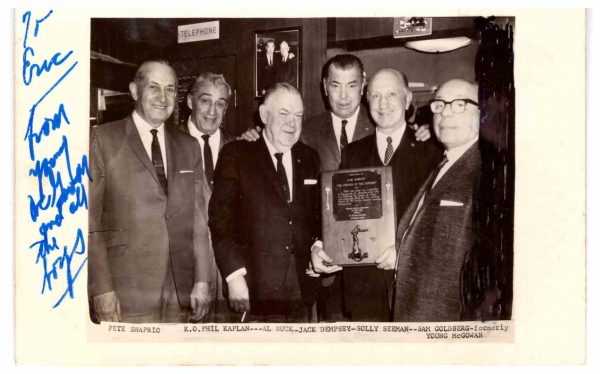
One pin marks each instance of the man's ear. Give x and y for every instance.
(189, 101)
(325, 86)
(408, 99)
(133, 90)
(364, 83)
(262, 110)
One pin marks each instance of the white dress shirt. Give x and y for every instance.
(143, 129)
(382, 140)
(350, 126)
(214, 141)
(453, 155)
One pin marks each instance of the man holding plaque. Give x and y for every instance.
(436, 231)
(264, 215)
(367, 289)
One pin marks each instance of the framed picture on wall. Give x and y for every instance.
(277, 58)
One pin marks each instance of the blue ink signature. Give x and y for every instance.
(61, 190)
(30, 68)
(51, 271)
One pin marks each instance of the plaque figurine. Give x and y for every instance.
(358, 204)
(357, 254)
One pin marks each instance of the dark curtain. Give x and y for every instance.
(488, 276)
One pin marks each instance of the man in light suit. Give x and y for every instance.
(367, 290)
(149, 259)
(208, 100)
(264, 215)
(435, 234)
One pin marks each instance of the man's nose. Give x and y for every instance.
(212, 109)
(383, 102)
(447, 111)
(162, 96)
(343, 92)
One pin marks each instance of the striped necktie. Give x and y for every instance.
(389, 151)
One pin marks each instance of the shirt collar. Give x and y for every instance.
(396, 135)
(271, 147)
(351, 119)
(455, 153)
(198, 134)
(144, 127)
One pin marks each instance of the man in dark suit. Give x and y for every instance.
(435, 234)
(367, 290)
(286, 65)
(208, 100)
(264, 214)
(265, 68)
(149, 258)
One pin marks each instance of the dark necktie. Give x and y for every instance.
(282, 176)
(389, 151)
(208, 160)
(434, 175)
(157, 161)
(343, 135)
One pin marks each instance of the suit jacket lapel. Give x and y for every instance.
(363, 126)
(135, 143)
(329, 138)
(172, 172)
(450, 174)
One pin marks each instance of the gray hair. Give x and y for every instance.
(212, 78)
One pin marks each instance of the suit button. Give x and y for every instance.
(287, 247)
(167, 216)
(290, 223)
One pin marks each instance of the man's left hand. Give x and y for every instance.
(423, 133)
(387, 261)
(200, 300)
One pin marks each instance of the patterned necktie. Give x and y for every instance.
(208, 161)
(343, 136)
(157, 161)
(282, 176)
(389, 151)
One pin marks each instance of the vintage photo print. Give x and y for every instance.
(236, 179)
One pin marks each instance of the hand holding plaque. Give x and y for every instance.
(359, 222)
(321, 262)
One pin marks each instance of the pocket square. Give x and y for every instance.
(186, 171)
(310, 181)
(450, 203)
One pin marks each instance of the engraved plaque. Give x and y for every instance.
(359, 219)
(357, 195)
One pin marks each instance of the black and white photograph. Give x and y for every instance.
(224, 214)
(277, 58)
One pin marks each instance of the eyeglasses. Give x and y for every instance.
(458, 106)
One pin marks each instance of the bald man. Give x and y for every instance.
(367, 290)
(435, 234)
(149, 258)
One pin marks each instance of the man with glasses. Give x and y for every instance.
(435, 234)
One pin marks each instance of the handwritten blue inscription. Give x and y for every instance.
(59, 177)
